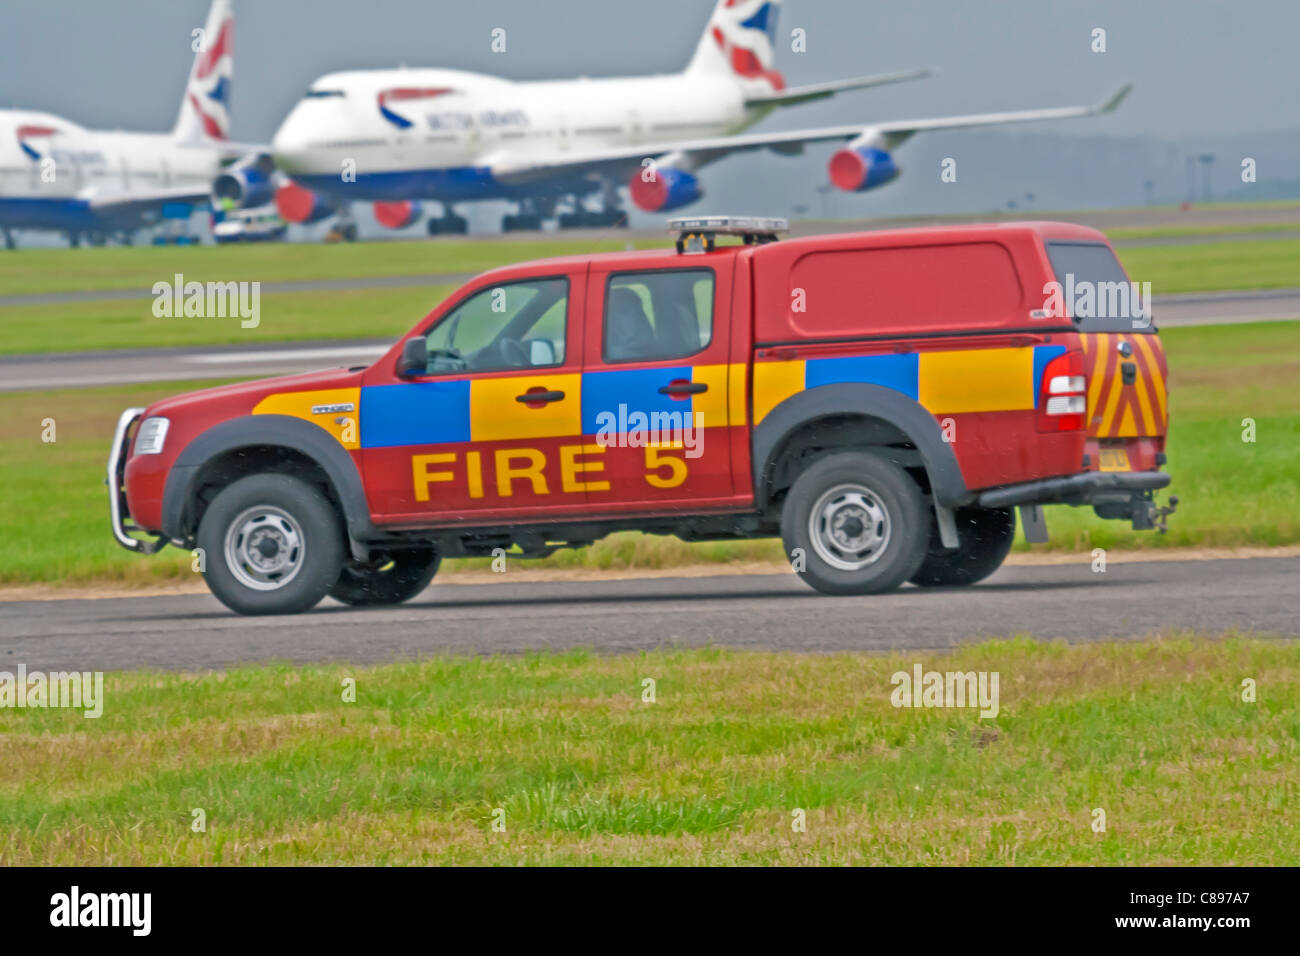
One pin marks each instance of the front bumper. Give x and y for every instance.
(123, 527)
(1089, 487)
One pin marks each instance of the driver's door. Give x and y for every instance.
(463, 443)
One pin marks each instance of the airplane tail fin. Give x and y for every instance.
(205, 109)
(740, 41)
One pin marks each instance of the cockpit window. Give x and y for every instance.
(321, 94)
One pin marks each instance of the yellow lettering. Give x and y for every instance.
(507, 473)
(423, 477)
(654, 460)
(474, 469)
(570, 468)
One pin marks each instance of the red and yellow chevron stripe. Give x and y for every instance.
(1116, 410)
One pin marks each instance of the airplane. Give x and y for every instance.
(397, 137)
(58, 176)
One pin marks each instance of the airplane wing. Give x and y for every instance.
(516, 168)
(819, 91)
(139, 201)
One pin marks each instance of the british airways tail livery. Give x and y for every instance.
(59, 176)
(397, 137)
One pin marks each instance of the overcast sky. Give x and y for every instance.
(1227, 66)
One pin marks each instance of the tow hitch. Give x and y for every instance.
(1148, 514)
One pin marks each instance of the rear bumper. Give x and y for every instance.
(1089, 487)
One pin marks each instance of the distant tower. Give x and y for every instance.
(1207, 160)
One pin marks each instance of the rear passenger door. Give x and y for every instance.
(655, 386)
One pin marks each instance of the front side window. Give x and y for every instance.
(515, 325)
(653, 316)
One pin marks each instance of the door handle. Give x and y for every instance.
(1128, 373)
(539, 397)
(683, 388)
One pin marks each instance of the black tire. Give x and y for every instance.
(278, 532)
(880, 508)
(392, 578)
(986, 535)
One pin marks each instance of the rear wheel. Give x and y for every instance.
(854, 523)
(272, 544)
(390, 578)
(986, 535)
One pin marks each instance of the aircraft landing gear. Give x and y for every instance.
(449, 224)
(528, 217)
(609, 215)
(344, 228)
(74, 240)
(9, 240)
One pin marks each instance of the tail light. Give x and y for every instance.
(1063, 403)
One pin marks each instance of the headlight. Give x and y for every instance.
(151, 435)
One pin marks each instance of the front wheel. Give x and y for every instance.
(272, 544)
(391, 578)
(985, 534)
(854, 523)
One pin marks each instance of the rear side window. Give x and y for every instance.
(655, 316)
(1095, 290)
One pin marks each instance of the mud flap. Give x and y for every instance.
(947, 523)
(1034, 524)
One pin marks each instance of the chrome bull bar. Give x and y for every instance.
(122, 525)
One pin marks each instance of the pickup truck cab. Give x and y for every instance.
(882, 401)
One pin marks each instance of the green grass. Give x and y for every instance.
(1175, 232)
(563, 750)
(283, 317)
(27, 271)
(54, 527)
(1265, 263)
(1214, 266)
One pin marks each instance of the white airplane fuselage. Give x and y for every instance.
(352, 124)
(51, 169)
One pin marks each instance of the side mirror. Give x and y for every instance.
(414, 359)
(541, 352)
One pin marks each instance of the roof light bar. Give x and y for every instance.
(697, 233)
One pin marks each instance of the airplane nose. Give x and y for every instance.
(287, 150)
(289, 146)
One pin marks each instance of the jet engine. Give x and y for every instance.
(863, 164)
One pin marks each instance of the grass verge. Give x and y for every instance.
(1214, 266)
(282, 317)
(565, 752)
(32, 271)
